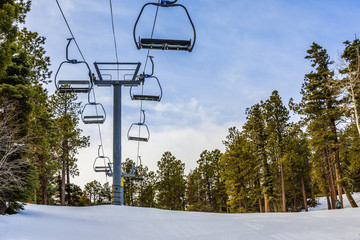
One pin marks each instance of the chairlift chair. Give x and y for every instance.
(139, 138)
(131, 172)
(142, 79)
(164, 44)
(103, 164)
(98, 115)
(140, 124)
(73, 85)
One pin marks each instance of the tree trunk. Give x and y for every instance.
(337, 161)
(63, 173)
(339, 187)
(283, 187)
(2, 208)
(294, 207)
(63, 170)
(260, 205)
(64, 160)
(267, 203)
(354, 101)
(304, 193)
(68, 189)
(331, 180)
(351, 199)
(43, 189)
(275, 206)
(43, 180)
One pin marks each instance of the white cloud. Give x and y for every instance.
(190, 130)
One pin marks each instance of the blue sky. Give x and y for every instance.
(244, 50)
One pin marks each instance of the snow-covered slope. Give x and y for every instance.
(114, 222)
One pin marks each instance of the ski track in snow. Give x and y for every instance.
(106, 222)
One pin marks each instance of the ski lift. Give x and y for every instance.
(131, 172)
(75, 86)
(164, 44)
(144, 138)
(135, 177)
(95, 118)
(142, 79)
(93, 113)
(103, 164)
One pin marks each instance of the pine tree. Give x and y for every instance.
(193, 196)
(69, 139)
(241, 173)
(277, 117)
(255, 129)
(299, 168)
(94, 192)
(171, 183)
(147, 187)
(321, 108)
(349, 83)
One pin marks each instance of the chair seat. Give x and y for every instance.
(94, 121)
(102, 169)
(146, 97)
(94, 117)
(74, 82)
(165, 44)
(73, 90)
(140, 139)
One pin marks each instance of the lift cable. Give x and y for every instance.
(114, 36)
(113, 30)
(77, 45)
(142, 87)
(67, 24)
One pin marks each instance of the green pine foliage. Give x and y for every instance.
(171, 183)
(205, 188)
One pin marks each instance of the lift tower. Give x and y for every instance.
(117, 74)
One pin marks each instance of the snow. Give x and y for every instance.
(39, 222)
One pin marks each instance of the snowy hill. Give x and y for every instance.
(114, 222)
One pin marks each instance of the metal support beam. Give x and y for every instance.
(117, 188)
(112, 73)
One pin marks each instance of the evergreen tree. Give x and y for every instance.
(69, 139)
(255, 129)
(193, 196)
(147, 189)
(171, 183)
(277, 117)
(211, 188)
(94, 192)
(241, 171)
(350, 84)
(298, 177)
(321, 108)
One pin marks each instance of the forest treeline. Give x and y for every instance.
(270, 164)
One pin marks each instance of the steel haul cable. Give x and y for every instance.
(142, 87)
(78, 47)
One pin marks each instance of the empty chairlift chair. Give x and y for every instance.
(144, 78)
(164, 44)
(103, 164)
(135, 134)
(64, 85)
(132, 137)
(93, 113)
